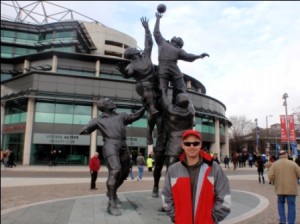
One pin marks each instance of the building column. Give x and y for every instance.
(28, 131)
(189, 85)
(93, 146)
(215, 147)
(2, 120)
(54, 64)
(97, 68)
(26, 66)
(226, 146)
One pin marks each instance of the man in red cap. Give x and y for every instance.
(196, 189)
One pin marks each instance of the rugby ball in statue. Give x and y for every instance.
(161, 8)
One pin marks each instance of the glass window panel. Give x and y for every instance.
(198, 127)
(5, 76)
(141, 123)
(45, 107)
(32, 51)
(21, 35)
(205, 128)
(23, 117)
(7, 33)
(63, 118)
(21, 51)
(126, 110)
(6, 49)
(15, 118)
(65, 49)
(78, 109)
(7, 119)
(64, 34)
(6, 55)
(44, 117)
(82, 119)
(64, 108)
(49, 36)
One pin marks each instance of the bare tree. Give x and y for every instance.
(241, 126)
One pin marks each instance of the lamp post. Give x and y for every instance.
(285, 95)
(267, 127)
(256, 136)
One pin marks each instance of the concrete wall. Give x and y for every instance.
(100, 33)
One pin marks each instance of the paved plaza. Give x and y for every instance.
(61, 195)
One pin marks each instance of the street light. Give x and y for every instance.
(267, 127)
(256, 135)
(285, 95)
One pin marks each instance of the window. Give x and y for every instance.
(113, 43)
(112, 53)
(45, 107)
(64, 35)
(62, 113)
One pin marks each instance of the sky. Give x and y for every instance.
(254, 47)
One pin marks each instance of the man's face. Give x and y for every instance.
(191, 146)
(107, 104)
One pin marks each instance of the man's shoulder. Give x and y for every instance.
(175, 166)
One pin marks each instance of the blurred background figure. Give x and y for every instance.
(150, 162)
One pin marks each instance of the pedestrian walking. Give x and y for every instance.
(285, 174)
(94, 166)
(215, 156)
(130, 168)
(226, 161)
(150, 162)
(11, 159)
(140, 162)
(268, 166)
(260, 169)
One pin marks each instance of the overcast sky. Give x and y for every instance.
(254, 47)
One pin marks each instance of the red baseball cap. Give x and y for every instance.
(191, 132)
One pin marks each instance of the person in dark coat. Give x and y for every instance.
(11, 159)
(260, 164)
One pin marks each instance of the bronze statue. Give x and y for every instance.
(177, 118)
(112, 126)
(168, 55)
(142, 70)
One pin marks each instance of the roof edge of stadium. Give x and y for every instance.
(35, 13)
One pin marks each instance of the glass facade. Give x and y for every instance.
(205, 125)
(59, 113)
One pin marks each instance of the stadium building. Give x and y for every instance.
(53, 71)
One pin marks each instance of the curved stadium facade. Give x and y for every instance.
(53, 74)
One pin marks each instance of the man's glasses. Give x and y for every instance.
(191, 143)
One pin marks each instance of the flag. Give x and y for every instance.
(283, 128)
(292, 128)
(277, 149)
(295, 149)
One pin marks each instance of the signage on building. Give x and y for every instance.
(61, 139)
(131, 141)
(14, 127)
